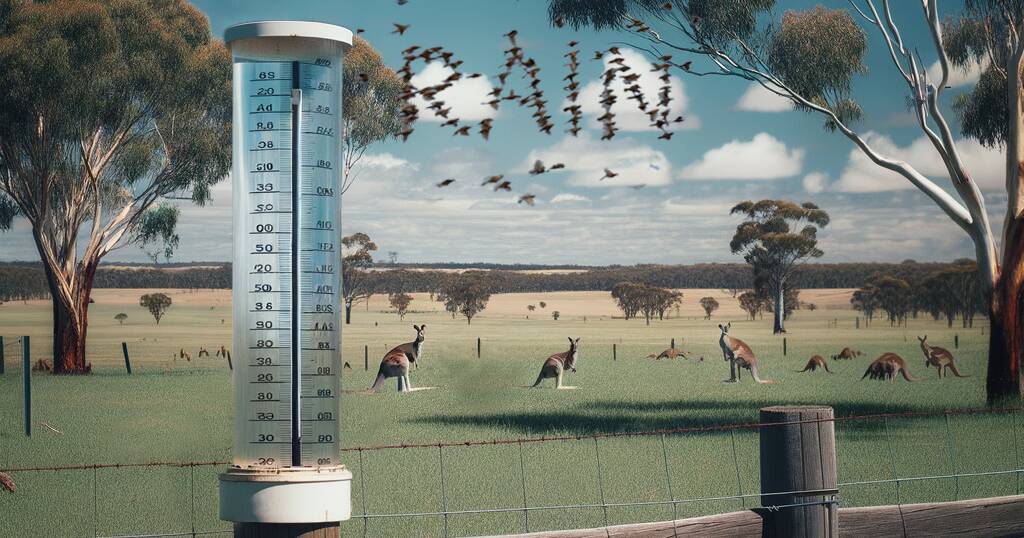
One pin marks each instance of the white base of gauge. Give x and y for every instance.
(287, 495)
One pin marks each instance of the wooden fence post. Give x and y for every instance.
(366, 358)
(127, 363)
(673, 346)
(857, 323)
(227, 353)
(1, 355)
(26, 374)
(478, 347)
(613, 352)
(798, 454)
(783, 346)
(956, 341)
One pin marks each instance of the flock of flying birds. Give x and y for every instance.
(617, 69)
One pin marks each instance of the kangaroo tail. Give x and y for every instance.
(757, 378)
(810, 366)
(379, 382)
(907, 376)
(956, 372)
(866, 373)
(825, 365)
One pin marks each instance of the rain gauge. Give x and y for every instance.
(286, 140)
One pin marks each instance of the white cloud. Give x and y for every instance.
(628, 116)
(758, 99)
(815, 182)
(384, 161)
(763, 157)
(586, 158)
(568, 197)
(986, 165)
(959, 77)
(466, 96)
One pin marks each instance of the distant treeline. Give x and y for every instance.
(25, 280)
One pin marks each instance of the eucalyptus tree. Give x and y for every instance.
(371, 106)
(356, 260)
(768, 239)
(107, 108)
(811, 57)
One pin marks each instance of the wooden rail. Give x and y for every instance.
(980, 518)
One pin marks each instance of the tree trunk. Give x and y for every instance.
(780, 309)
(69, 336)
(1006, 339)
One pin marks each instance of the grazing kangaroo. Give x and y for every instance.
(846, 354)
(396, 362)
(556, 364)
(817, 361)
(670, 353)
(938, 357)
(887, 366)
(739, 355)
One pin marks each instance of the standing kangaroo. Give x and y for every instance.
(887, 366)
(739, 355)
(396, 362)
(938, 357)
(815, 362)
(556, 364)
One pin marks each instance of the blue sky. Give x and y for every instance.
(735, 144)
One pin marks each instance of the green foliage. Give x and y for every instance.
(372, 102)
(641, 298)
(156, 303)
(982, 112)
(157, 231)
(709, 304)
(816, 53)
(400, 302)
(356, 260)
(555, 315)
(466, 294)
(120, 317)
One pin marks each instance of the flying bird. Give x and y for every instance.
(462, 131)
(400, 28)
(608, 174)
(446, 182)
(686, 65)
(492, 179)
(403, 2)
(538, 168)
(360, 30)
(527, 199)
(503, 186)
(556, 166)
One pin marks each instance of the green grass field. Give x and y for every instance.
(181, 411)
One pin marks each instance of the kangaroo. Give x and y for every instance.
(815, 362)
(739, 355)
(887, 366)
(396, 362)
(556, 364)
(670, 353)
(846, 354)
(938, 357)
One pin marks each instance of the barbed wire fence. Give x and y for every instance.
(516, 497)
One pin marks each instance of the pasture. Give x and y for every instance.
(178, 410)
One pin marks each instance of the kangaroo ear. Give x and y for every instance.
(570, 339)
(729, 325)
(417, 327)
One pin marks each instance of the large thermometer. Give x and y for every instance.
(286, 284)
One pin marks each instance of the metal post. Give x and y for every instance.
(366, 358)
(26, 374)
(613, 352)
(783, 346)
(478, 347)
(798, 454)
(1, 355)
(673, 346)
(127, 363)
(956, 341)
